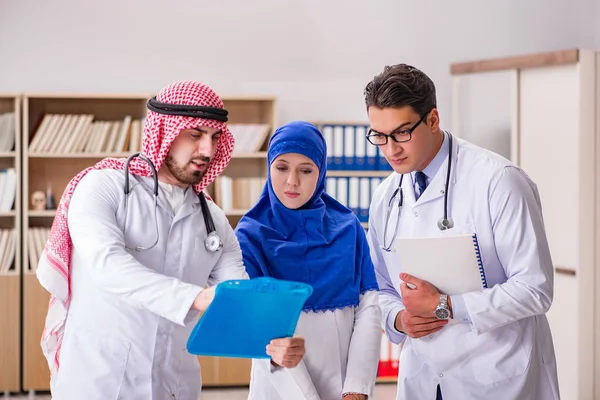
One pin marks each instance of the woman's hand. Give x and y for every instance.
(286, 352)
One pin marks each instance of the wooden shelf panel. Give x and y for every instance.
(387, 379)
(374, 174)
(10, 310)
(10, 282)
(252, 110)
(103, 107)
(240, 156)
(35, 308)
(41, 214)
(560, 57)
(78, 155)
(235, 212)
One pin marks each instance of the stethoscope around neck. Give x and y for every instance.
(212, 243)
(443, 224)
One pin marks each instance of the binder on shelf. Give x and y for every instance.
(338, 147)
(361, 146)
(382, 163)
(328, 135)
(371, 159)
(353, 192)
(354, 195)
(365, 199)
(342, 191)
(349, 162)
(348, 149)
(265, 309)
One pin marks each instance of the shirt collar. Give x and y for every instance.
(435, 164)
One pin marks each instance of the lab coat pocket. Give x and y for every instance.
(411, 362)
(91, 367)
(496, 355)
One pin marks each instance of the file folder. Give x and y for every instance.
(245, 315)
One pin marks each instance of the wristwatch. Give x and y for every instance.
(442, 311)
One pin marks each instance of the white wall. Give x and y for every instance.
(316, 56)
(594, 19)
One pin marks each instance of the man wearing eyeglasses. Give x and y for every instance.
(492, 343)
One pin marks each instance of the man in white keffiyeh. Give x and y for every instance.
(119, 319)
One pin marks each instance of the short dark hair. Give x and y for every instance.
(401, 85)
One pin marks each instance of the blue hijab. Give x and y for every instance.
(321, 244)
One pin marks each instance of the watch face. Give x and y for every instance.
(442, 313)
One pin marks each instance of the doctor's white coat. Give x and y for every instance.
(502, 348)
(129, 318)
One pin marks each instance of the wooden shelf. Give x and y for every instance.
(78, 155)
(43, 170)
(53, 170)
(236, 212)
(375, 174)
(10, 282)
(241, 156)
(43, 214)
(387, 379)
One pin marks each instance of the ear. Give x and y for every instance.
(433, 120)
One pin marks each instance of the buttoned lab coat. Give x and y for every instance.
(129, 318)
(502, 346)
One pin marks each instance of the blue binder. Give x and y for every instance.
(246, 315)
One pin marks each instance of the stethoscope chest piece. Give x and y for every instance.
(213, 243)
(445, 223)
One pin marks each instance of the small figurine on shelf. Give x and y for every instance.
(38, 200)
(50, 202)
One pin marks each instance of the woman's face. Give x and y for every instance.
(294, 179)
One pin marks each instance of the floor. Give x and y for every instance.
(383, 391)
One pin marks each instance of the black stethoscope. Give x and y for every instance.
(444, 223)
(213, 242)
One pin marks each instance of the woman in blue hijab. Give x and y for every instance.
(298, 232)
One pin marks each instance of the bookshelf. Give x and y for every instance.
(61, 135)
(354, 170)
(66, 127)
(236, 191)
(10, 235)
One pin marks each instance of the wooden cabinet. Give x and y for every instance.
(10, 242)
(555, 137)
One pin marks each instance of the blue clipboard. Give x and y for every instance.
(245, 315)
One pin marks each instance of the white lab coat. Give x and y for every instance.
(505, 351)
(342, 355)
(129, 318)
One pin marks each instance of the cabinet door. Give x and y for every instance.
(484, 110)
(549, 118)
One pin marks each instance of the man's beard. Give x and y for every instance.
(183, 176)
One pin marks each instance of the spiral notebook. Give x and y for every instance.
(246, 315)
(452, 264)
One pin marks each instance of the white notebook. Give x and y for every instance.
(451, 263)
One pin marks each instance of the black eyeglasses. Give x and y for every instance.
(397, 135)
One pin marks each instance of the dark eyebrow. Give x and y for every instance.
(395, 129)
